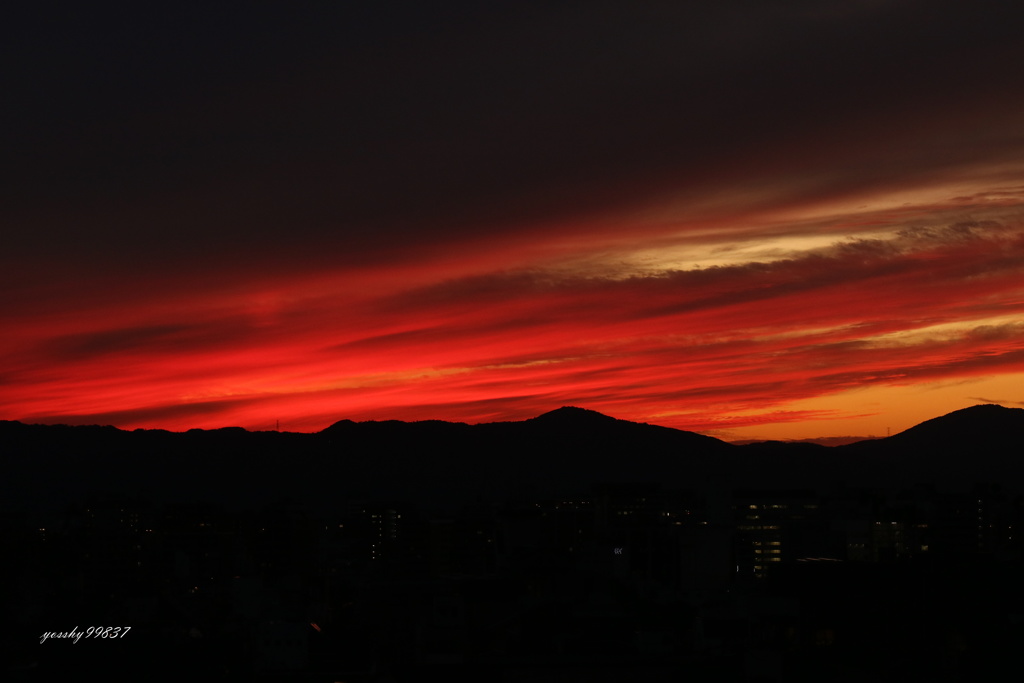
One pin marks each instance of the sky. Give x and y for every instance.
(752, 220)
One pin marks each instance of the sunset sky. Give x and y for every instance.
(746, 219)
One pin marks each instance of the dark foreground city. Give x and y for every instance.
(858, 571)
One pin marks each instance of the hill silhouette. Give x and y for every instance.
(572, 416)
(987, 424)
(981, 443)
(562, 452)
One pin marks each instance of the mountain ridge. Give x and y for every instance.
(956, 422)
(563, 451)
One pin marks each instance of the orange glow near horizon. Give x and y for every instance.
(813, 322)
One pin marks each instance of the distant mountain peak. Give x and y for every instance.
(338, 426)
(972, 422)
(574, 415)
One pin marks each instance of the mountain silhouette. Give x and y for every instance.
(989, 424)
(561, 452)
(980, 443)
(572, 416)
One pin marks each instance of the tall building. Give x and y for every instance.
(774, 526)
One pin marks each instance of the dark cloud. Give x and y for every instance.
(440, 334)
(148, 339)
(342, 135)
(999, 402)
(961, 255)
(286, 199)
(158, 414)
(494, 409)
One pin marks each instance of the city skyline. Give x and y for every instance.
(744, 221)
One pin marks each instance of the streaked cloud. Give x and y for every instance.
(727, 218)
